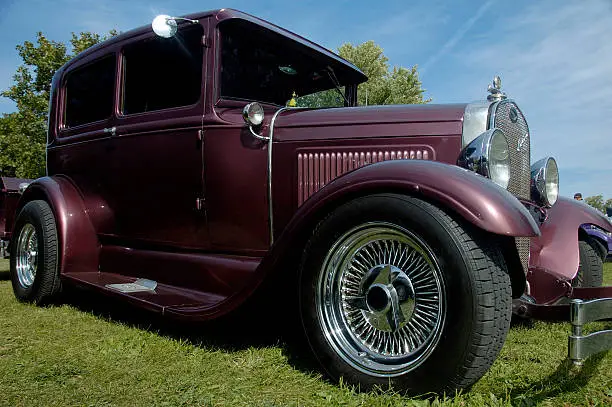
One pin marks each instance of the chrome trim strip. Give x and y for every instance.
(270, 142)
(475, 118)
(493, 110)
(257, 136)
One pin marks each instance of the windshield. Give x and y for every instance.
(260, 65)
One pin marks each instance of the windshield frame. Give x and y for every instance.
(348, 71)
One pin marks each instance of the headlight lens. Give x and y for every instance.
(545, 181)
(552, 181)
(499, 159)
(488, 155)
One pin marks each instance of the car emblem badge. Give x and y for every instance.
(513, 115)
(521, 142)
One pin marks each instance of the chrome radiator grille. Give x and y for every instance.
(517, 133)
(507, 117)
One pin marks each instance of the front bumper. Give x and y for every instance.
(582, 346)
(579, 307)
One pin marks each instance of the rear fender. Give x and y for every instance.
(555, 251)
(78, 243)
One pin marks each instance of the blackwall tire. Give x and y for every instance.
(382, 253)
(590, 268)
(34, 255)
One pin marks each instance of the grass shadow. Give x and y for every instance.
(565, 379)
(229, 333)
(262, 325)
(4, 276)
(253, 325)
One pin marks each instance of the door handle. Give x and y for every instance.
(111, 130)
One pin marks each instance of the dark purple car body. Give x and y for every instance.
(164, 197)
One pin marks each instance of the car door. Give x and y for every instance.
(82, 149)
(158, 167)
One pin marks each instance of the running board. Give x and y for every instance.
(144, 293)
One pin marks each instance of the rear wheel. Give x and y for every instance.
(590, 268)
(395, 292)
(34, 252)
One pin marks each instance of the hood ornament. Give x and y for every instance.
(495, 90)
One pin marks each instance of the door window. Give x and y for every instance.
(163, 73)
(90, 92)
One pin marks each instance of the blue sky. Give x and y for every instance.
(554, 56)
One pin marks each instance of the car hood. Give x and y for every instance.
(447, 117)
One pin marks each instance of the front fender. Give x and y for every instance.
(475, 198)
(555, 251)
(78, 243)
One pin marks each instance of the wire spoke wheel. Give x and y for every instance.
(381, 299)
(27, 255)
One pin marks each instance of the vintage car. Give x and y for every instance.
(182, 179)
(10, 188)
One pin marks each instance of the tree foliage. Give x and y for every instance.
(597, 202)
(385, 86)
(23, 132)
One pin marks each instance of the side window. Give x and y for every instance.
(90, 92)
(162, 73)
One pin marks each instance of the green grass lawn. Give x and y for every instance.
(69, 356)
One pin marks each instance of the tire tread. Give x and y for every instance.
(494, 299)
(590, 269)
(47, 284)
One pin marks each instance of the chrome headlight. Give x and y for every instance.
(545, 181)
(253, 114)
(488, 155)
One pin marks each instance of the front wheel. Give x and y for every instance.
(395, 292)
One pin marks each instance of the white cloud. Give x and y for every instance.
(457, 36)
(556, 61)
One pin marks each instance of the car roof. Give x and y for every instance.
(221, 15)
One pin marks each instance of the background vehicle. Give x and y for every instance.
(9, 196)
(602, 237)
(180, 182)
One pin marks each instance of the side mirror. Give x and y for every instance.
(166, 26)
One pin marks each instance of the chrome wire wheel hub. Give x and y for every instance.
(381, 299)
(387, 297)
(26, 262)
